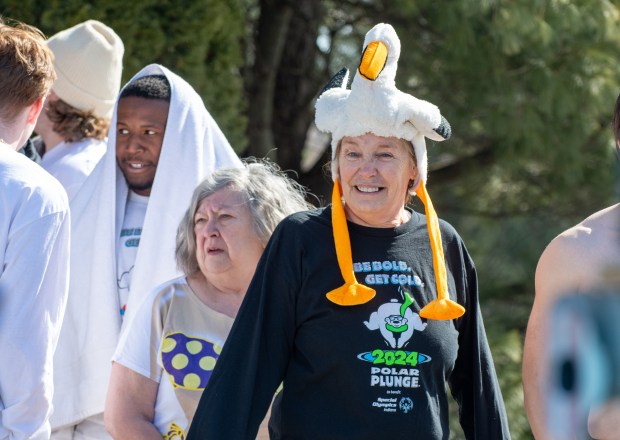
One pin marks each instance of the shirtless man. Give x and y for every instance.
(577, 260)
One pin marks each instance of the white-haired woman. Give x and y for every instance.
(368, 359)
(167, 354)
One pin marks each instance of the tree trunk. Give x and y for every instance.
(297, 84)
(272, 29)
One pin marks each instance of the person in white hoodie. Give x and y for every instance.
(34, 242)
(161, 144)
(74, 122)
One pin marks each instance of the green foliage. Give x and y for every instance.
(199, 40)
(507, 354)
(536, 84)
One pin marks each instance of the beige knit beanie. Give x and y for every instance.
(88, 62)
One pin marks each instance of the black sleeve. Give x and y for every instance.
(255, 356)
(473, 382)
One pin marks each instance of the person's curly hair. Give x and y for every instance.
(74, 124)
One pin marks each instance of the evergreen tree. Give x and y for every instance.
(200, 40)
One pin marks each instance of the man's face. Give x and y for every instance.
(140, 128)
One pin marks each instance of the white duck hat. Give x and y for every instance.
(375, 105)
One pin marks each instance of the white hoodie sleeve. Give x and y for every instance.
(34, 252)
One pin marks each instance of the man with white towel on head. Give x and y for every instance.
(162, 143)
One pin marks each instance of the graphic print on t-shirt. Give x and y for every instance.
(396, 321)
(129, 242)
(189, 361)
(123, 289)
(175, 432)
(394, 369)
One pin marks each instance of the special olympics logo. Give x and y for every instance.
(405, 404)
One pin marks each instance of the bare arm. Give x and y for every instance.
(263, 430)
(573, 262)
(556, 275)
(604, 421)
(130, 405)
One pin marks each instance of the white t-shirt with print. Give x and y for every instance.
(128, 242)
(174, 339)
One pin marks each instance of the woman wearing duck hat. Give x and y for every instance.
(365, 309)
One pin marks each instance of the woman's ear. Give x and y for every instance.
(413, 186)
(415, 181)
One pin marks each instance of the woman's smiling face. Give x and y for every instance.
(375, 172)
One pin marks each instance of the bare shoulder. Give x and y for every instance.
(607, 219)
(577, 257)
(596, 235)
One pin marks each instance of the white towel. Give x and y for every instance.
(193, 147)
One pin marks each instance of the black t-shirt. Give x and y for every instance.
(363, 372)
